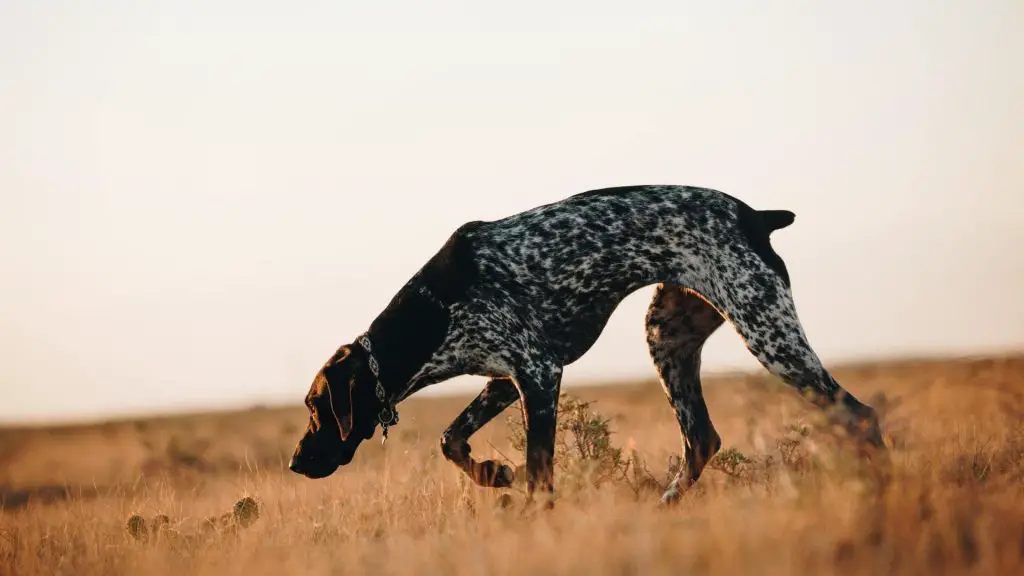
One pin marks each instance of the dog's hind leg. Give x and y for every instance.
(678, 323)
(498, 394)
(757, 300)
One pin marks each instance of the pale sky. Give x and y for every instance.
(199, 201)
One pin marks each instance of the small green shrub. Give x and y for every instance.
(732, 462)
(584, 453)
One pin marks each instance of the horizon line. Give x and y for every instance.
(228, 407)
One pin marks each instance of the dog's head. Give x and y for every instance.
(341, 404)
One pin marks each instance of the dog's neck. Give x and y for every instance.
(405, 335)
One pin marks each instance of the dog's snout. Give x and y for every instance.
(312, 467)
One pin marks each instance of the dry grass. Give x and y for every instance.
(784, 498)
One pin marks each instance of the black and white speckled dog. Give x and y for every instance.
(517, 299)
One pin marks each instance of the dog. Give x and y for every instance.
(517, 299)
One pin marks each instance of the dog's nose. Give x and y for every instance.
(293, 465)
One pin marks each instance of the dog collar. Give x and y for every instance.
(388, 415)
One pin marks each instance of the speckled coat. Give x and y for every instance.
(519, 298)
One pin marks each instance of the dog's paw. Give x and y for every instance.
(539, 502)
(494, 474)
(671, 497)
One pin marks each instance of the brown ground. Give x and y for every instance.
(782, 501)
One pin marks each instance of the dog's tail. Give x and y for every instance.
(757, 226)
(772, 220)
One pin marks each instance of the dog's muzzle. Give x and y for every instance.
(312, 468)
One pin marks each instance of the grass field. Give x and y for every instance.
(783, 498)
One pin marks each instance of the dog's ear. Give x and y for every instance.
(339, 380)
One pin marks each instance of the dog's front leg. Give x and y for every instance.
(498, 394)
(539, 386)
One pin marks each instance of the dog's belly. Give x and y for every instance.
(574, 327)
(580, 337)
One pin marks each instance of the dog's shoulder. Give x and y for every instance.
(453, 269)
(423, 305)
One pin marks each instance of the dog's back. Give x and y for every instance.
(571, 262)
